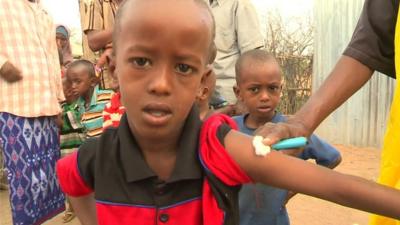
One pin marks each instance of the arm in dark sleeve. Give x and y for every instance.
(372, 43)
(76, 171)
(213, 154)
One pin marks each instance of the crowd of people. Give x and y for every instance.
(149, 107)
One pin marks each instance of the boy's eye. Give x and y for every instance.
(254, 89)
(141, 62)
(184, 68)
(274, 88)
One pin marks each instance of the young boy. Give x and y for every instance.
(148, 170)
(259, 88)
(92, 100)
(71, 131)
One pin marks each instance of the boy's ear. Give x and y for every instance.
(111, 65)
(95, 80)
(236, 90)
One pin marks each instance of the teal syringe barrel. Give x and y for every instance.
(289, 143)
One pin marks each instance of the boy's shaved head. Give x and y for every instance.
(125, 4)
(255, 56)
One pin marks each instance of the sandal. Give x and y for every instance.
(68, 216)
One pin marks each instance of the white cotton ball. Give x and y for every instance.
(260, 148)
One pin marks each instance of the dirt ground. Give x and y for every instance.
(303, 210)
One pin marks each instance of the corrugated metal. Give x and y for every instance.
(361, 120)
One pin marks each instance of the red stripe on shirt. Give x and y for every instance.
(69, 177)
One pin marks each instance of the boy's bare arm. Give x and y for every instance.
(85, 209)
(277, 169)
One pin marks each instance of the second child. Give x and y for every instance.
(81, 74)
(259, 88)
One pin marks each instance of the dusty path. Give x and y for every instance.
(303, 210)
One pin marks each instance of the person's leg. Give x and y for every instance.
(31, 149)
(69, 212)
(3, 172)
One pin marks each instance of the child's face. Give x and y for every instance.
(161, 58)
(61, 40)
(81, 82)
(67, 89)
(260, 89)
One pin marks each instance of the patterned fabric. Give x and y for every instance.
(113, 112)
(27, 41)
(92, 118)
(31, 149)
(72, 133)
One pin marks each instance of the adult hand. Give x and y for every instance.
(274, 132)
(104, 58)
(10, 73)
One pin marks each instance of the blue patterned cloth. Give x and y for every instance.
(31, 148)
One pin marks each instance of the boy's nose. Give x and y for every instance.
(161, 84)
(264, 95)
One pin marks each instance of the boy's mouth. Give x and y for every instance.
(264, 109)
(157, 114)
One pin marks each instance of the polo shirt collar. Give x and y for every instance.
(187, 165)
(93, 99)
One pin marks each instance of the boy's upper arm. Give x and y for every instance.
(323, 153)
(76, 171)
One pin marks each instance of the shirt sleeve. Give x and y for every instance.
(214, 157)
(93, 18)
(76, 171)
(372, 43)
(247, 27)
(322, 152)
(107, 116)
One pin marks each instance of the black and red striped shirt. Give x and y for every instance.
(201, 190)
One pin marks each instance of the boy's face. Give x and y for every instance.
(67, 89)
(260, 89)
(161, 58)
(80, 80)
